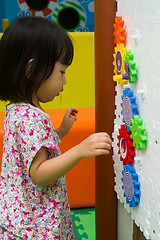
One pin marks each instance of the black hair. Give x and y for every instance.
(25, 39)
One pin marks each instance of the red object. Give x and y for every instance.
(125, 144)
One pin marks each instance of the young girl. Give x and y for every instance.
(34, 55)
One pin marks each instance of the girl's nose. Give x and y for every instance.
(64, 80)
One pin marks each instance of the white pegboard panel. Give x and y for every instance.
(142, 24)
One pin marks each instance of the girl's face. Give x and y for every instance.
(53, 85)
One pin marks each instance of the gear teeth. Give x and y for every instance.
(131, 186)
(119, 65)
(129, 57)
(119, 31)
(129, 107)
(125, 145)
(138, 133)
(131, 133)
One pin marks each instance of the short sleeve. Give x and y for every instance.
(32, 136)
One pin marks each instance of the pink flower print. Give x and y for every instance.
(31, 132)
(26, 213)
(23, 141)
(41, 215)
(22, 221)
(25, 236)
(46, 137)
(22, 183)
(26, 115)
(45, 121)
(16, 198)
(33, 209)
(13, 150)
(33, 148)
(22, 124)
(18, 161)
(32, 188)
(48, 129)
(16, 111)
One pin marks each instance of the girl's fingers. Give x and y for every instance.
(103, 139)
(74, 112)
(103, 145)
(71, 112)
(73, 118)
(102, 134)
(102, 152)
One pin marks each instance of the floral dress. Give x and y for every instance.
(29, 211)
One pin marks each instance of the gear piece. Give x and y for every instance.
(131, 186)
(129, 107)
(125, 144)
(119, 65)
(129, 57)
(119, 31)
(138, 133)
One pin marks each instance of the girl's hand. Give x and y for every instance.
(96, 144)
(67, 123)
(44, 171)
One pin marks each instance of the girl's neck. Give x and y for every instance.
(36, 103)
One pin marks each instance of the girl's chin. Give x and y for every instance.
(50, 99)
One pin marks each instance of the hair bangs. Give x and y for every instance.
(66, 51)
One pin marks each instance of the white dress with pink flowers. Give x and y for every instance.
(29, 211)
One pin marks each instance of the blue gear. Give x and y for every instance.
(129, 107)
(131, 185)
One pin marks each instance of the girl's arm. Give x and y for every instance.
(67, 122)
(45, 172)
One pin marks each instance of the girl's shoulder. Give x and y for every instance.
(25, 110)
(26, 113)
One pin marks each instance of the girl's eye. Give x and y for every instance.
(63, 72)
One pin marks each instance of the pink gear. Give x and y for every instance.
(125, 144)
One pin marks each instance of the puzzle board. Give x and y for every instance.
(142, 25)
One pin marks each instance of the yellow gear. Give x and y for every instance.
(119, 65)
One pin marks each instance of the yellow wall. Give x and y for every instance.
(80, 88)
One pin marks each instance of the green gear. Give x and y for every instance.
(138, 136)
(129, 57)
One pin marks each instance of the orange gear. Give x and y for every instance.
(120, 32)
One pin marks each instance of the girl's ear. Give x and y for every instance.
(28, 68)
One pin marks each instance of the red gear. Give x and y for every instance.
(119, 31)
(125, 144)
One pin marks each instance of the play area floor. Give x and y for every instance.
(83, 221)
